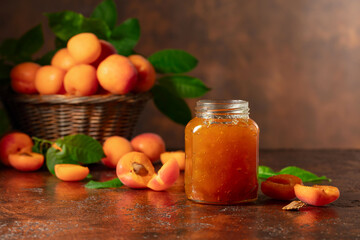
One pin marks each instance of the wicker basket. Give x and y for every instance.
(54, 116)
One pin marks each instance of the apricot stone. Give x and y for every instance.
(13, 143)
(151, 144)
(114, 148)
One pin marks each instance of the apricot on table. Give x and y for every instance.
(107, 49)
(149, 143)
(146, 73)
(135, 170)
(166, 176)
(26, 161)
(117, 74)
(179, 156)
(23, 77)
(317, 195)
(50, 80)
(280, 186)
(84, 47)
(114, 148)
(13, 143)
(81, 80)
(71, 172)
(62, 59)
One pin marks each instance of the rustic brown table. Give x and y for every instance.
(38, 205)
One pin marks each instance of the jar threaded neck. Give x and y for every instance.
(222, 109)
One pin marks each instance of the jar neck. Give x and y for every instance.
(222, 109)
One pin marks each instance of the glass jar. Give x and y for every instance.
(222, 153)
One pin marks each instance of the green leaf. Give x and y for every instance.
(173, 61)
(82, 148)
(30, 42)
(46, 58)
(126, 36)
(114, 183)
(106, 11)
(306, 176)
(55, 156)
(171, 105)
(265, 172)
(66, 24)
(7, 48)
(184, 86)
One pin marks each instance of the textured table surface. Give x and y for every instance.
(39, 206)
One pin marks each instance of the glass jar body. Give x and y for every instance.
(221, 160)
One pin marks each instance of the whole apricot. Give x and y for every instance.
(23, 77)
(114, 148)
(26, 161)
(146, 73)
(135, 170)
(166, 176)
(13, 143)
(151, 144)
(117, 74)
(84, 47)
(62, 59)
(317, 195)
(81, 80)
(50, 80)
(107, 49)
(71, 172)
(280, 186)
(179, 156)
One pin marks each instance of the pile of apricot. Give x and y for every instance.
(85, 67)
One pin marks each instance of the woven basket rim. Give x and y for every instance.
(66, 99)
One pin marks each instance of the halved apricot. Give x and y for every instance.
(135, 170)
(71, 172)
(13, 143)
(179, 156)
(26, 161)
(280, 186)
(166, 176)
(317, 195)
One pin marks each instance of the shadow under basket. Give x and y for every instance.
(54, 116)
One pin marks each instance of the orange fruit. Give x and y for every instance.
(84, 47)
(49, 80)
(23, 77)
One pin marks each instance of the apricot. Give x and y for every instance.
(49, 80)
(23, 77)
(149, 143)
(107, 49)
(146, 73)
(280, 186)
(166, 176)
(84, 47)
(317, 195)
(71, 172)
(81, 80)
(63, 60)
(14, 143)
(179, 156)
(26, 161)
(117, 74)
(135, 170)
(114, 148)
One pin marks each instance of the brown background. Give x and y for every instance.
(296, 62)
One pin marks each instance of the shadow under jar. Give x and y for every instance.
(222, 153)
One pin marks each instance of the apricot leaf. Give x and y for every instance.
(184, 86)
(114, 183)
(82, 148)
(173, 61)
(66, 24)
(30, 42)
(171, 105)
(306, 176)
(106, 11)
(125, 36)
(46, 58)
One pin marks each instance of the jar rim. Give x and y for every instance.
(222, 108)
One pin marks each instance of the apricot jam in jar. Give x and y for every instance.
(222, 152)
